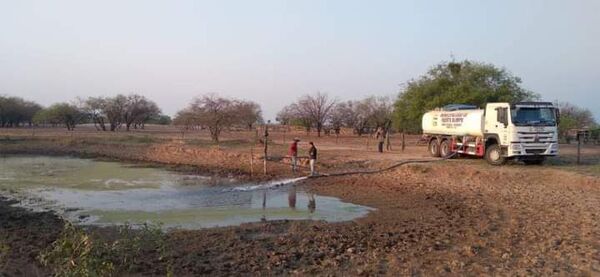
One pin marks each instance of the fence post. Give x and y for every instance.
(578, 148)
(252, 161)
(266, 146)
(284, 131)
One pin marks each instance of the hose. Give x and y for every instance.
(383, 169)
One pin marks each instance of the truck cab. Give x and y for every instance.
(526, 131)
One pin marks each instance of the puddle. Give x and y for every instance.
(105, 193)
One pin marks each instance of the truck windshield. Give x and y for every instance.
(524, 116)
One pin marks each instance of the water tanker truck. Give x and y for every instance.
(526, 131)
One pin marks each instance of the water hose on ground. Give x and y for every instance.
(374, 171)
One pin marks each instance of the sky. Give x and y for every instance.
(273, 51)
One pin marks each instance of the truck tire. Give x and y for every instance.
(445, 149)
(434, 148)
(493, 155)
(537, 161)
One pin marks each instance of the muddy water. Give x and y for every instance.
(105, 193)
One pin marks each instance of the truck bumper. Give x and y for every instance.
(532, 149)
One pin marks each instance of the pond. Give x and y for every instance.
(92, 192)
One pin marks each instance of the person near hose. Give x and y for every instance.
(312, 155)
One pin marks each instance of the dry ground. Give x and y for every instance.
(456, 217)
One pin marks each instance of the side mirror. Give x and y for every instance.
(557, 114)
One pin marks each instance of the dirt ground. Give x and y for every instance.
(454, 217)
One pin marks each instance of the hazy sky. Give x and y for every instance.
(274, 51)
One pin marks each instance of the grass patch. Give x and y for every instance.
(11, 140)
(136, 139)
(77, 253)
(4, 249)
(226, 143)
(590, 165)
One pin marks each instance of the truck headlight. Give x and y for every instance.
(516, 148)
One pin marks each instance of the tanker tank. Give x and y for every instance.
(455, 123)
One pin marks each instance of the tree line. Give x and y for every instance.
(320, 112)
(16, 112)
(106, 113)
(445, 83)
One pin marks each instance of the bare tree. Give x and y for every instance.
(186, 119)
(94, 107)
(291, 115)
(338, 117)
(149, 111)
(315, 108)
(216, 114)
(285, 116)
(357, 115)
(138, 109)
(249, 113)
(382, 109)
(114, 109)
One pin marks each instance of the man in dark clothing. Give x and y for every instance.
(312, 154)
(294, 154)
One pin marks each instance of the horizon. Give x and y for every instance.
(272, 52)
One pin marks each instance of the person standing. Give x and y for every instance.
(312, 155)
(380, 139)
(294, 154)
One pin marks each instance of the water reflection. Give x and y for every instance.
(312, 203)
(292, 193)
(292, 197)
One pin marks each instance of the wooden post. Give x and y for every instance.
(266, 146)
(284, 131)
(578, 148)
(252, 161)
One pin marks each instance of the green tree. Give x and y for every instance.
(466, 82)
(61, 113)
(15, 111)
(160, 119)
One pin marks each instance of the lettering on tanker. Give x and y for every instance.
(452, 120)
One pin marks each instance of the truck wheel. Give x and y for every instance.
(493, 155)
(434, 148)
(537, 161)
(445, 149)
